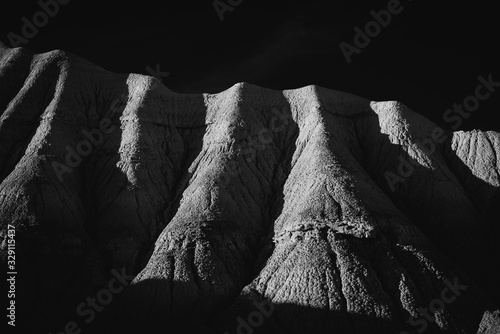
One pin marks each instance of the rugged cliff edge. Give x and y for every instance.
(251, 210)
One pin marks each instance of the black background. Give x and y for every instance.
(429, 57)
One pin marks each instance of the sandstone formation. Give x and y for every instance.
(251, 210)
(490, 324)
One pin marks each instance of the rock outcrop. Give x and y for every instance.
(490, 324)
(251, 210)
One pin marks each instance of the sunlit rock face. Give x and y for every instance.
(251, 210)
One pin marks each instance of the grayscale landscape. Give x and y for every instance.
(250, 210)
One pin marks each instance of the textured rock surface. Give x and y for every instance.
(219, 202)
(490, 323)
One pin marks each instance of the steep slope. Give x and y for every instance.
(305, 210)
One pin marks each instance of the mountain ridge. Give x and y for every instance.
(216, 202)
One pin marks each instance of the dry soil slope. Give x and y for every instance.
(215, 201)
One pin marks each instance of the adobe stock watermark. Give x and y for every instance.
(156, 73)
(93, 305)
(483, 91)
(40, 19)
(406, 167)
(221, 7)
(95, 137)
(372, 29)
(255, 318)
(448, 296)
(252, 144)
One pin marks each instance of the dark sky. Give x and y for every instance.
(428, 57)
